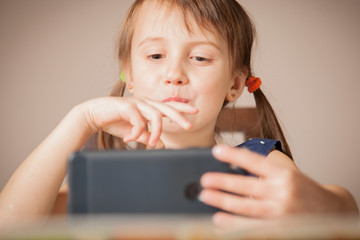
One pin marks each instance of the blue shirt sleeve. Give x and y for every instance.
(261, 146)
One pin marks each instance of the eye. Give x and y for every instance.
(200, 59)
(156, 56)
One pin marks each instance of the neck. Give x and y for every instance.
(188, 139)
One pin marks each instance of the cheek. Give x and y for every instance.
(143, 79)
(214, 88)
(211, 99)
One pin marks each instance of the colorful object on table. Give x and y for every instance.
(122, 76)
(253, 84)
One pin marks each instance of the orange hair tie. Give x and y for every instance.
(253, 84)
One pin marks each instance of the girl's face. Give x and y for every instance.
(170, 63)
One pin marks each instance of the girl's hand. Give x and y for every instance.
(127, 117)
(280, 190)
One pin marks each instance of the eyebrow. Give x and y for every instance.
(155, 39)
(150, 39)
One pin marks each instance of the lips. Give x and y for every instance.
(176, 99)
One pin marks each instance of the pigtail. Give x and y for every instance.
(269, 124)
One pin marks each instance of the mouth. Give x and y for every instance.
(176, 99)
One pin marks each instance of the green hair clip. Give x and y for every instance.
(122, 76)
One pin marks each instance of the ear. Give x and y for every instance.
(128, 79)
(237, 86)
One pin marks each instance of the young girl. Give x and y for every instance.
(182, 61)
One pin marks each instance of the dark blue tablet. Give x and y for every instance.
(141, 181)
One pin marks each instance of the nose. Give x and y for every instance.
(175, 74)
(176, 82)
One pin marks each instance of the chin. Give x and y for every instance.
(172, 127)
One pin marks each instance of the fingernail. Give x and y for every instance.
(217, 220)
(218, 149)
(153, 143)
(195, 110)
(201, 197)
(187, 125)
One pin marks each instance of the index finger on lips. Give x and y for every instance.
(244, 158)
(183, 107)
(173, 112)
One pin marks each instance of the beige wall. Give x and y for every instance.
(55, 54)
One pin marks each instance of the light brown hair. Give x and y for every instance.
(228, 19)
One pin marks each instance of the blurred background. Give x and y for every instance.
(57, 54)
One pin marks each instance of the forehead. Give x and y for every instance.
(165, 19)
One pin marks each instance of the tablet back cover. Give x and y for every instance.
(154, 181)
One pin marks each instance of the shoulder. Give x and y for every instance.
(269, 148)
(261, 146)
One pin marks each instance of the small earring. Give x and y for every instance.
(122, 76)
(233, 95)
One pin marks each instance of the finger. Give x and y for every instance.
(234, 183)
(133, 116)
(183, 107)
(144, 138)
(235, 204)
(173, 111)
(250, 161)
(156, 127)
(160, 145)
(154, 117)
(179, 106)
